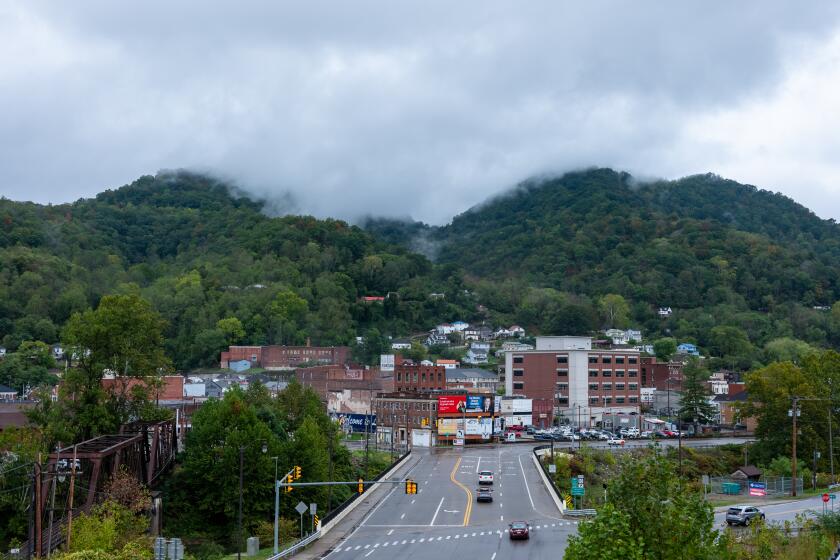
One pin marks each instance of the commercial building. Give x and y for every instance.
(345, 389)
(474, 380)
(405, 416)
(661, 375)
(567, 379)
(285, 357)
(409, 376)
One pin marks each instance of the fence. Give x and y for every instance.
(775, 485)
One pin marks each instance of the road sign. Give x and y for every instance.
(578, 491)
(833, 496)
(458, 441)
(313, 508)
(758, 489)
(301, 507)
(552, 468)
(825, 498)
(580, 480)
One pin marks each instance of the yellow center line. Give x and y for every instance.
(468, 510)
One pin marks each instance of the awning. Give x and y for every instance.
(654, 421)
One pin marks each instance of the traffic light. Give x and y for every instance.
(317, 521)
(361, 485)
(297, 474)
(410, 486)
(288, 489)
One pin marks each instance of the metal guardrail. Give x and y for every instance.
(297, 546)
(580, 512)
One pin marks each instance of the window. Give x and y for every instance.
(634, 386)
(606, 359)
(434, 406)
(518, 385)
(593, 400)
(562, 359)
(593, 386)
(518, 359)
(632, 373)
(439, 378)
(634, 400)
(518, 372)
(563, 400)
(607, 400)
(619, 373)
(632, 360)
(619, 400)
(593, 359)
(607, 373)
(562, 386)
(606, 386)
(562, 373)
(619, 386)
(619, 359)
(593, 373)
(415, 377)
(424, 377)
(399, 376)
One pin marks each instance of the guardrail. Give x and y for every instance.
(297, 546)
(580, 512)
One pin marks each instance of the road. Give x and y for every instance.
(786, 511)
(443, 520)
(635, 443)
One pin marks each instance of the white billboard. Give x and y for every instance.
(386, 362)
(518, 420)
(516, 406)
(480, 427)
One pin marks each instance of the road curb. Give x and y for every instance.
(561, 507)
(337, 519)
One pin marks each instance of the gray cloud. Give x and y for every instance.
(378, 108)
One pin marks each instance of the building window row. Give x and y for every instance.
(562, 373)
(518, 359)
(562, 359)
(518, 372)
(519, 386)
(609, 359)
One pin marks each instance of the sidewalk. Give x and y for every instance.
(325, 544)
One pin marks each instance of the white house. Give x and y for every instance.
(57, 351)
(478, 352)
(619, 336)
(665, 311)
(436, 338)
(445, 328)
(401, 344)
(2, 352)
(448, 364)
(460, 326)
(471, 333)
(503, 333)
(516, 330)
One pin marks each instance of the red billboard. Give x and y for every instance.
(452, 404)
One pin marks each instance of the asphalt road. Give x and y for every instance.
(443, 520)
(785, 511)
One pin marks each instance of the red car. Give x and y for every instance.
(516, 428)
(519, 530)
(669, 433)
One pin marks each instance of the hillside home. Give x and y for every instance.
(435, 339)
(444, 328)
(460, 326)
(688, 348)
(2, 352)
(448, 364)
(665, 312)
(7, 393)
(517, 331)
(57, 351)
(401, 344)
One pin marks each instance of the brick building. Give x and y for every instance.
(346, 389)
(564, 376)
(409, 376)
(660, 375)
(285, 357)
(401, 412)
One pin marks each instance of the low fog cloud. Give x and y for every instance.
(378, 108)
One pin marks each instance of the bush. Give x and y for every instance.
(209, 551)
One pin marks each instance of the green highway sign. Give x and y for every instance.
(578, 491)
(833, 496)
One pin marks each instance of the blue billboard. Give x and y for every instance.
(477, 403)
(356, 422)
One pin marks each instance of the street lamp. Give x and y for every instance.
(241, 472)
(276, 507)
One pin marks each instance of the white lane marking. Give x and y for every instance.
(358, 547)
(436, 512)
(426, 482)
(369, 553)
(500, 494)
(457, 536)
(395, 543)
(525, 478)
(422, 539)
(412, 501)
(377, 544)
(503, 517)
(413, 541)
(384, 544)
(337, 549)
(493, 557)
(477, 465)
(367, 546)
(466, 535)
(402, 516)
(473, 534)
(448, 537)
(391, 531)
(404, 542)
(501, 505)
(440, 538)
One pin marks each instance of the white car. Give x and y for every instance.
(615, 441)
(485, 477)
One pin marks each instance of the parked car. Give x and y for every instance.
(630, 432)
(647, 434)
(615, 441)
(485, 477)
(483, 494)
(743, 515)
(530, 430)
(519, 530)
(669, 433)
(516, 428)
(602, 436)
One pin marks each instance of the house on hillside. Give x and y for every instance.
(688, 348)
(445, 328)
(437, 339)
(619, 336)
(373, 299)
(517, 331)
(2, 351)
(478, 353)
(401, 344)
(471, 333)
(448, 364)
(503, 333)
(665, 312)
(7, 393)
(460, 326)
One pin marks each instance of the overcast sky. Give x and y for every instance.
(377, 108)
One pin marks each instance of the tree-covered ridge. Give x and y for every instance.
(697, 241)
(202, 255)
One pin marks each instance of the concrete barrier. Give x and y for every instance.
(561, 506)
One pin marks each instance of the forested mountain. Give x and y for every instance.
(723, 255)
(202, 255)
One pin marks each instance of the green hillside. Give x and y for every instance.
(721, 254)
(201, 254)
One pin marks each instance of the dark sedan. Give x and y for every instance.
(519, 530)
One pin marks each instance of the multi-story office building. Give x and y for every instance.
(566, 377)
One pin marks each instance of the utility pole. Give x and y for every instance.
(239, 532)
(367, 442)
(830, 434)
(38, 533)
(794, 414)
(70, 499)
(52, 499)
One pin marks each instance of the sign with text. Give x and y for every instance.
(448, 404)
(758, 489)
(356, 422)
(480, 427)
(477, 403)
(447, 426)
